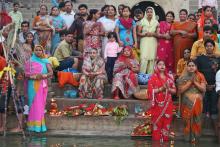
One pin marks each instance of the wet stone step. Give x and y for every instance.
(103, 126)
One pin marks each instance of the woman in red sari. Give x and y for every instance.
(160, 87)
(184, 34)
(125, 74)
(165, 46)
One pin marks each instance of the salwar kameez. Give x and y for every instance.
(148, 45)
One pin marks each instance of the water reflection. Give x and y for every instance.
(37, 142)
(17, 141)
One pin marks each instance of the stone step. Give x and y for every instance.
(59, 92)
(105, 126)
(131, 103)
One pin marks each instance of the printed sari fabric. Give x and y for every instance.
(92, 40)
(126, 31)
(191, 105)
(162, 106)
(37, 94)
(43, 36)
(92, 87)
(124, 78)
(165, 47)
(179, 42)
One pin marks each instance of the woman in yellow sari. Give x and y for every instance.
(148, 42)
(191, 87)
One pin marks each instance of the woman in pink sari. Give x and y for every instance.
(165, 46)
(37, 70)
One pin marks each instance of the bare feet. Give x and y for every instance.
(116, 97)
(15, 130)
(100, 98)
(1, 129)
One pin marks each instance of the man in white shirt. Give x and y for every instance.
(25, 28)
(68, 16)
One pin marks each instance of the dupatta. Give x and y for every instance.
(149, 24)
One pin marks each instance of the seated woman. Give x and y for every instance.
(191, 86)
(125, 74)
(94, 76)
(161, 86)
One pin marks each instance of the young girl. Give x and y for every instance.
(126, 29)
(111, 51)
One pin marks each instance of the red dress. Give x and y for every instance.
(165, 47)
(162, 106)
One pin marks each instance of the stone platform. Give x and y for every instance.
(104, 125)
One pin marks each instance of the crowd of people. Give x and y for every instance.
(181, 55)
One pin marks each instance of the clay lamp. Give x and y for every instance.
(172, 136)
(53, 107)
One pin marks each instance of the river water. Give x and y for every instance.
(17, 141)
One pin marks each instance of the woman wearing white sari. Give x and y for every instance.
(148, 42)
(108, 23)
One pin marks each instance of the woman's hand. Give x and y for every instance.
(120, 43)
(91, 33)
(183, 33)
(135, 68)
(135, 45)
(58, 30)
(147, 34)
(92, 75)
(44, 76)
(167, 36)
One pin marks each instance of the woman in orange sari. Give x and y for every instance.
(191, 87)
(184, 34)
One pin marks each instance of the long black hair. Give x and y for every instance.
(32, 43)
(91, 13)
